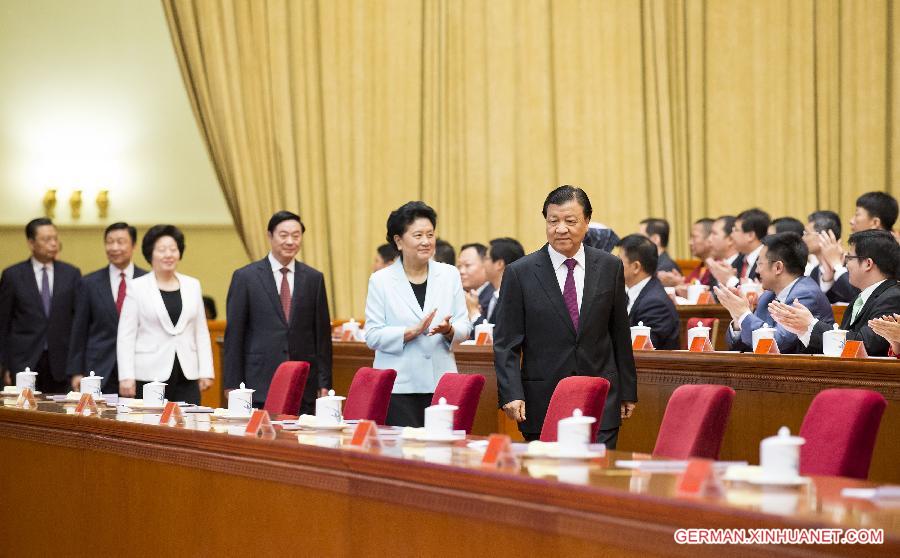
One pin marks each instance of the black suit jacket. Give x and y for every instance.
(655, 309)
(92, 345)
(883, 300)
(666, 263)
(258, 339)
(25, 329)
(484, 301)
(536, 345)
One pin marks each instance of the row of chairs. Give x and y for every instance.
(840, 426)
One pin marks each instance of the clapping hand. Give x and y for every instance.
(795, 318)
(831, 256)
(420, 328)
(736, 304)
(473, 306)
(721, 270)
(888, 327)
(443, 328)
(670, 278)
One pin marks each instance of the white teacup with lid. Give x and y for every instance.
(353, 327)
(240, 401)
(328, 409)
(694, 291)
(439, 418)
(833, 341)
(779, 456)
(154, 394)
(765, 332)
(26, 379)
(639, 329)
(91, 384)
(697, 331)
(573, 434)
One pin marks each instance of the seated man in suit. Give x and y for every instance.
(476, 286)
(701, 247)
(502, 253)
(101, 294)
(724, 261)
(657, 230)
(781, 263)
(384, 256)
(648, 302)
(822, 224)
(874, 211)
(750, 227)
(872, 264)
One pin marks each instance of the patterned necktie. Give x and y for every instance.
(285, 295)
(45, 290)
(570, 295)
(120, 297)
(745, 268)
(857, 306)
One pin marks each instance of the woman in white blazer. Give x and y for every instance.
(163, 334)
(415, 314)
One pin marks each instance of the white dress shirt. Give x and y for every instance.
(811, 263)
(276, 273)
(749, 260)
(39, 273)
(559, 266)
(865, 294)
(493, 304)
(635, 291)
(826, 285)
(114, 278)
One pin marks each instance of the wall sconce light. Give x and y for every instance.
(50, 203)
(103, 203)
(75, 204)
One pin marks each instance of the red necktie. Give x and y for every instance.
(744, 268)
(120, 297)
(285, 295)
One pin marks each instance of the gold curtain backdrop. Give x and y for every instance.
(344, 109)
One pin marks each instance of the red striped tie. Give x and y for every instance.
(120, 297)
(285, 295)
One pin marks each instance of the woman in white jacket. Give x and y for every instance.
(163, 334)
(415, 314)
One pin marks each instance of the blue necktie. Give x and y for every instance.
(45, 291)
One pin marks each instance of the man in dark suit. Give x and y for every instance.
(562, 313)
(648, 303)
(277, 310)
(101, 294)
(478, 290)
(37, 300)
(502, 253)
(824, 228)
(750, 227)
(781, 264)
(872, 264)
(657, 230)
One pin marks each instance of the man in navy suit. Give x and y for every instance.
(781, 264)
(37, 300)
(473, 274)
(648, 303)
(101, 294)
(277, 310)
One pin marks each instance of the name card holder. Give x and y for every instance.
(642, 343)
(484, 338)
(766, 347)
(698, 479)
(86, 406)
(701, 345)
(172, 412)
(705, 298)
(854, 349)
(26, 399)
(260, 425)
(347, 335)
(365, 436)
(499, 452)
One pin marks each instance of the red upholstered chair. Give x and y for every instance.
(464, 391)
(575, 392)
(370, 394)
(286, 389)
(695, 421)
(840, 427)
(711, 323)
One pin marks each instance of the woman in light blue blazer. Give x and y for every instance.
(415, 314)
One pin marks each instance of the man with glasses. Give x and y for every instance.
(872, 265)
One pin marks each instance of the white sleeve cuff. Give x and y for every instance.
(738, 321)
(805, 336)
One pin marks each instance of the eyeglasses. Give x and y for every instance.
(848, 257)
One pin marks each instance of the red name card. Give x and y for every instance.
(642, 343)
(366, 435)
(484, 338)
(498, 452)
(705, 298)
(854, 349)
(767, 347)
(172, 412)
(700, 345)
(260, 425)
(86, 405)
(698, 479)
(26, 399)
(347, 335)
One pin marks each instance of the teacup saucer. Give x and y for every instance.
(11, 391)
(550, 450)
(224, 414)
(778, 481)
(317, 426)
(422, 435)
(75, 397)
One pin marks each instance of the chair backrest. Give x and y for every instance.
(711, 323)
(575, 392)
(694, 422)
(286, 389)
(464, 391)
(840, 428)
(370, 394)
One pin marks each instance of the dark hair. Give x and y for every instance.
(444, 253)
(282, 216)
(388, 252)
(727, 223)
(881, 205)
(754, 220)
(506, 249)
(155, 233)
(568, 193)
(479, 247)
(826, 221)
(658, 226)
(789, 249)
(881, 247)
(401, 218)
(32, 227)
(788, 224)
(639, 248)
(120, 226)
(706, 223)
(209, 304)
